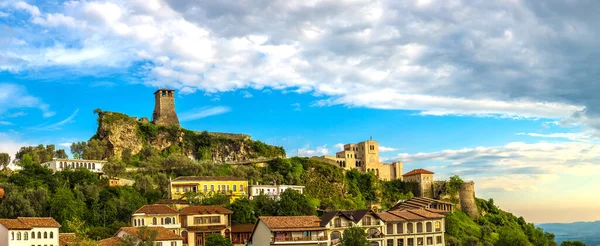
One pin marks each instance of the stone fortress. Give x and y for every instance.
(364, 156)
(164, 108)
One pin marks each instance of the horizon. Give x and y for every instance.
(500, 93)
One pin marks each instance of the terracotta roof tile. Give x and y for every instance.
(407, 215)
(39, 221)
(388, 217)
(418, 171)
(279, 223)
(162, 234)
(426, 214)
(204, 210)
(111, 241)
(242, 227)
(156, 209)
(66, 238)
(208, 178)
(14, 224)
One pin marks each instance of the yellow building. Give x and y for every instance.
(413, 227)
(425, 180)
(336, 222)
(364, 157)
(207, 186)
(157, 215)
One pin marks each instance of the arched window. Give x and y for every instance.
(419, 227)
(143, 222)
(134, 222)
(61, 164)
(25, 236)
(51, 234)
(409, 228)
(173, 219)
(227, 233)
(12, 236)
(336, 235)
(428, 227)
(154, 221)
(93, 165)
(18, 236)
(438, 226)
(45, 234)
(168, 221)
(33, 235)
(399, 228)
(39, 234)
(377, 172)
(184, 234)
(162, 221)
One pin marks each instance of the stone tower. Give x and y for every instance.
(467, 199)
(164, 108)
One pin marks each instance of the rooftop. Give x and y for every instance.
(164, 89)
(65, 238)
(156, 209)
(111, 241)
(162, 234)
(39, 221)
(14, 224)
(242, 227)
(417, 203)
(206, 178)
(354, 215)
(409, 215)
(191, 210)
(292, 223)
(418, 171)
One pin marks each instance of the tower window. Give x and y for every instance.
(164, 93)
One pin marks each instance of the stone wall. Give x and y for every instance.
(467, 199)
(164, 108)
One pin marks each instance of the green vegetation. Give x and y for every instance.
(572, 243)
(496, 227)
(354, 236)
(4, 160)
(217, 240)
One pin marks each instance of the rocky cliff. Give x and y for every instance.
(121, 132)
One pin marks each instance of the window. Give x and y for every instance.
(234, 188)
(215, 219)
(390, 242)
(185, 189)
(205, 188)
(45, 234)
(26, 236)
(134, 222)
(367, 221)
(411, 242)
(223, 187)
(438, 239)
(399, 228)
(168, 221)
(159, 244)
(18, 236)
(430, 241)
(420, 241)
(177, 189)
(154, 221)
(33, 235)
(212, 187)
(400, 242)
(61, 164)
(409, 228)
(390, 228)
(438, 226)
(307, 233)
(51, 234)
(173, 244)
(93, 165)
(162, 221)
(242, 188)
(419, 227)
(428, 227)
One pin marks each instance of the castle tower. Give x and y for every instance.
(467, 199)
(164, 108)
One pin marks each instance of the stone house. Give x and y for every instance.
(425, 180)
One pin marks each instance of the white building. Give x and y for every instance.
(272, 190)
(30, 231)
(164, 237)
(61, 164)
(157, 215)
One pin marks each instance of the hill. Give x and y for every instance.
(587, 232)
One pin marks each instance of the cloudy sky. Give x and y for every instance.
(500, 92)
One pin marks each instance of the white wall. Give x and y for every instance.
(262, 235)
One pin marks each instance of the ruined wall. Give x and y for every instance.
(164, 108)
(467, 199)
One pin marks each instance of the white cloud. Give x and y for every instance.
(580, 136)
(318, 151)
(296, 106)
(13, 96)
(203, 113)
(11, 145)
(530, 164)
(65, 144)
(58, 125)
(5, 123)
(246, 94)
(339, 146)
(386, 149)
(4, 14)
(32, 10)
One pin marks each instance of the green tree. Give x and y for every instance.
(572, 243)
(64, 206)
(15, 205)
(113, 168)
(354, 236)
(243, 211)
(95, 150)
(292, 203)
(145, 237)
(61, 154)
(511, 237)
(217, 240)
(4, 160)
(265, 206)
(77, 149)
(126, 156)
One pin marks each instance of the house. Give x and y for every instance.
(232, 187)
(56, 165)
(241, 233)
(424, 203)
(164, 236)
(413, 227)
(336, 222)
(66, 239)
(157, 215)
(176, 204)
(25, 231)
(197, 222)
(289, 230)
(272, 190)
(424, 178)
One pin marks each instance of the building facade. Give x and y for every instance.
(364, 157)
(28, 231)
(197, 222)
(413, 227)
(336, 222)
(157, 215)
(235, 188)
(56, 165)
(289, 230)
(424, 203)
(241, 234)
(164, 237)
(425, 180)
(272, 190)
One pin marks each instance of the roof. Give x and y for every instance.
(66, 238)
(163, 234)
(14, 224)
(156, 209)
(164, 89)
(292, 223)
(418, 171)
(39, 221)
(242, 227)
(207, 178)
(191, 210)
(409, 215)
(111, 241)
(416, 203)
(388, 217)
(354, 215)
(170, 201)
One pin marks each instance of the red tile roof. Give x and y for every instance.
(65, 238)
(14, 224)
(242, 227)
(39, 221)
(292, 223)
(111, 241)
(162, 234)
(156, 209)
(409, 215)
(418, 171)
(191, 210)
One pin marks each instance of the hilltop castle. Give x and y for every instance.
(164, 108)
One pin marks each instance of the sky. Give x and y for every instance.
(503, 93)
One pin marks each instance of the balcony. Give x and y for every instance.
(372, 223)
(341, 225)
(299, 239)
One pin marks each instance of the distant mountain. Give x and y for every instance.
(587, 232)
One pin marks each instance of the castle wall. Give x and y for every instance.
(467, 199)
(164, 108)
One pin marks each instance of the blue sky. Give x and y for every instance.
(502, 93)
